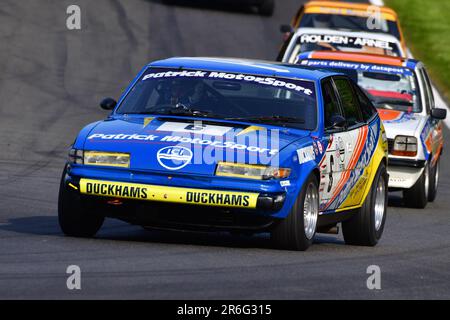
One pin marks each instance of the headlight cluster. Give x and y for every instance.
(112, 159)
(239, 170)
(405, 146)
(99, 158)
(76, 156)
(227, 169)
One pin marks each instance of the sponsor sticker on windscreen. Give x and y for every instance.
(304, 87)
(346, 41)
(355, 66)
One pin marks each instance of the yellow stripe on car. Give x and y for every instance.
(147, 121)
(349, 12)
(359, 193)
(73, 186)
(168, 194)
(251, 129)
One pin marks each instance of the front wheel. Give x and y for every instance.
(77, 218)
(434, 181)
(366, 226)
(296, 232)
(417, 195)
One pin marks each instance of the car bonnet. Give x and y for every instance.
(401, 123)
(189, 146)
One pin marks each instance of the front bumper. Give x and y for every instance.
(170, 194)
(404, 173)
(181, 208)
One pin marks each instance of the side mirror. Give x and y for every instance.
(439, 114)
(285, 28)
(338, 122)
(108, 104)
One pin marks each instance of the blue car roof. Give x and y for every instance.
(255, 67)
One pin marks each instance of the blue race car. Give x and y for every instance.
(237, 145)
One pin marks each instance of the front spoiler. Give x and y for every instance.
(404, 173)
(403, 177)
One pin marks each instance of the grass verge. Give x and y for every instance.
(426, 25)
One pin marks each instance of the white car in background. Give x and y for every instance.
(315, 39)
(401, 91)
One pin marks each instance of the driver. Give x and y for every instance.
(182, 93)
(198, 96)
(178, 91)
(188, 92)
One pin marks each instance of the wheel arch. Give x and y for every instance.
(306, 170)
(316, 173)
(372, 175)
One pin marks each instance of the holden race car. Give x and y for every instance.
(315, 39)
(402, 92)
(340, 15)
(237, 145)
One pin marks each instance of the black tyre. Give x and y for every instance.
(76, 217)
(366, 226)
(434, 182)
(267, 7)
(296, 232)
(417, 195)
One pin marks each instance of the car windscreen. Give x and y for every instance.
(349, 22)
(329, 42)
(388, 87)
(224, 95)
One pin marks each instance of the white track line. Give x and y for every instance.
(439, 101)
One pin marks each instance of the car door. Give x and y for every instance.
(432, 134)
(332, 165)
(353, 181)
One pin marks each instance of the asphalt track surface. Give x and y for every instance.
(51, 80)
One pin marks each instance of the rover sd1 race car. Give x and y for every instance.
(314, 39)
(237, 145)
(340, 15)
(402, 92)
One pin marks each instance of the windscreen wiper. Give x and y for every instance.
(188, 112)
(181, 112)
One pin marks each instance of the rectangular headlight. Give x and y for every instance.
(110, 159)
(250, 171)
(405, 146)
